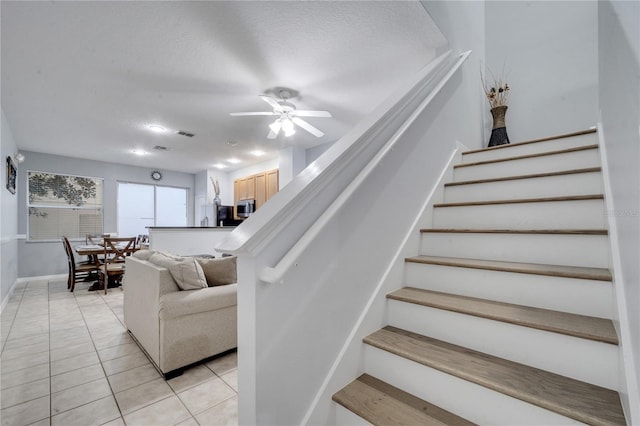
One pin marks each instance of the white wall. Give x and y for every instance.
(8, 219)
(619, 51)
(312, 154)
(51, 257)
(463, 25)
(550, 52)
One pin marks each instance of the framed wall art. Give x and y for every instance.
(11, 175)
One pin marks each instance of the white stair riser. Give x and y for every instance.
(548, 249)
(574, 214)
(548, 186)
(540, 291)
(561, 354)
(345, 417)
(532, 148)
(468, 400)
(544, 164)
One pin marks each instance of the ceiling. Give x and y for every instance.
(85, 79)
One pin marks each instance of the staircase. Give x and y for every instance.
(505, 317)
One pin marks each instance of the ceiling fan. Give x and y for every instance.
(288, 116)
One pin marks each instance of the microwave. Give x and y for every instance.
(245, 208)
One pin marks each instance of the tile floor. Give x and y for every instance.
(67, 359)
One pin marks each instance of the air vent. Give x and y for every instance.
(161, 148)
(183, 133)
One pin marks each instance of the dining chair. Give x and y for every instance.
(76, 269)
(95, 239)
(116, 249)
(142, 239)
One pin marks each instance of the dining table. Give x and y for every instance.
(90, 250)
(93, 252)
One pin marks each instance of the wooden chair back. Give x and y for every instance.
(95, 238)
(75, 270)
(117, 248)
(142, 239)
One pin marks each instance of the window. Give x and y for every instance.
(63, 205)
(140, 206)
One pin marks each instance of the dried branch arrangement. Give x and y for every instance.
(498, 92)
(216, 186)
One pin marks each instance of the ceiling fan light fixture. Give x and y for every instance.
(287, 127)
(275, 126)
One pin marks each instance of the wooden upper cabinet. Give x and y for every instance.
(250, 188)
(272, 182)
(261, 189)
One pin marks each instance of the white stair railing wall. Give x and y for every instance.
(292, 331)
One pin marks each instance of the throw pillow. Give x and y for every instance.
(185, 271)
(219, 271)
(143, 254)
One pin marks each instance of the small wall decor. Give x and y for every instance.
(11, 175)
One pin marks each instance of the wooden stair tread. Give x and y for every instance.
(599, 274)
(523, 200)
(522, 157)
(549, 138)
(382, 404)
(569, 397)
(527, 176)
(582, 326)
(517, 231)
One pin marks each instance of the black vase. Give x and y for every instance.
(499, 130)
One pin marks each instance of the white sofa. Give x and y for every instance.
(176, 327)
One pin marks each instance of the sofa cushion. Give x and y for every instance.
(180, 303)
(186, 271)
(219, 271)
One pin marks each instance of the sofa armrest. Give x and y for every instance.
(144, 284)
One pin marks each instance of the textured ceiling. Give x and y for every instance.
(84, 79)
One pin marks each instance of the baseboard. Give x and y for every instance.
(27, 279)
(8, 296)
(628, 376)
(42, 278)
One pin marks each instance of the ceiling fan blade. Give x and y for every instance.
(272, 134)
(308, 127)
(303, 113)
(268, 99)
(237, 114)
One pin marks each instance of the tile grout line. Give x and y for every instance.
(50, 366)
(106, 377)
(15, 314)
(56, 313)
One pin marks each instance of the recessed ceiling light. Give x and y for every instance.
(156, 128)
(220, 166)
(258, 153)
(234, 160)
(139, 152)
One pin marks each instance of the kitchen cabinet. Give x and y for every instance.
(259, 187)
(272, 182)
